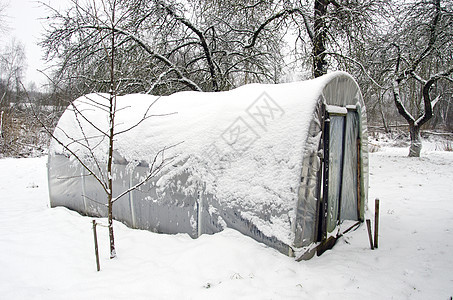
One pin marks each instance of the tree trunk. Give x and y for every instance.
(112, 112)
(320, 38)
(111, 236)
(416, 141)
(109, 173)
(1, 124)
(381, 110)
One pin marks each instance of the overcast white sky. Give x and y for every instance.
(24, 24)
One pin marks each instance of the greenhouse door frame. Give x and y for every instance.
(337, 115)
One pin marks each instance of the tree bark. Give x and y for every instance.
(381, 110)
(416, 140)
(1, 125)
(320, 38)
(111, 236)
(112, 111)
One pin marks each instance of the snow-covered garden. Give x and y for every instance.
(48, 253)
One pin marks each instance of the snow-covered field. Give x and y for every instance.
(49, 254)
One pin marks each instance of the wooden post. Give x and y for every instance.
(368, 225)
(96, 246)
(359, 179)
(322, 234)
(376, 222)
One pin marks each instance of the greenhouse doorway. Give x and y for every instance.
(341, 190)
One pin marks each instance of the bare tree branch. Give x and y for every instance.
(282, 14)
(203, 42)
(428, 112)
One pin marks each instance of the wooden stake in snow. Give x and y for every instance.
(368, 225)
(376, 222)
(96, 252)
(1, 124)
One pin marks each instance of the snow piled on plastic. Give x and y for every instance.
(245, 146)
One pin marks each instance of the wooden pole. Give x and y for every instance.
(96, 246)
(368, 225)
(359, 180)
(376, 222)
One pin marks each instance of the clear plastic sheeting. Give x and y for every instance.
(307, 206)
(364, 161)
(335, 170)
(65, 184)
(349, 183)
(351, 97)
(341, 96)
(265, 184)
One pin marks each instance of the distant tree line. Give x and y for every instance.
(20, 133)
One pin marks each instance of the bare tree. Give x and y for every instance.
(410, 59)
(166, 47)
(12, 67)
(92, 133)
(3, 6)
(430, 38)
(405, 43)
(327, 28)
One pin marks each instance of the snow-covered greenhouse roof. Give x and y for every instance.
(243, 149)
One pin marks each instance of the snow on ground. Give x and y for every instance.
(48, 253)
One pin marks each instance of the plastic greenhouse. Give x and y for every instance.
(286, 164)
